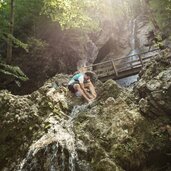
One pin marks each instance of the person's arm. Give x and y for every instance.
(85, 91)
(81, 82)
(92, 90)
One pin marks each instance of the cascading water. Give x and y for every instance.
(133, 39)
(76, 109)
(131, 79)
(56, 150)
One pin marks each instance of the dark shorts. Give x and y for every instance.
(71, 87)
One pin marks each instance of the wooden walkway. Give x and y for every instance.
(121, 67)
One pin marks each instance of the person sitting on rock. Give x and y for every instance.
(81, 85)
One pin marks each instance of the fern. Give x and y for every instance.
(15, 41)
(13, 71)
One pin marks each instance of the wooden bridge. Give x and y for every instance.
(122, 67)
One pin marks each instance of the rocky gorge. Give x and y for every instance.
(53, 55)
(123, 129)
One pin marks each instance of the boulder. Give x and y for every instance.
(52, 129)
(153, 88)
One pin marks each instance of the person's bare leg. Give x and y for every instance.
(78, 88)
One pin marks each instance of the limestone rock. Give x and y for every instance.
(111, 89)
(154, 87)
(52, 129)
(107, 164)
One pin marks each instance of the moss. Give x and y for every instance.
(148, 138)
(107, 165)
(112, 130)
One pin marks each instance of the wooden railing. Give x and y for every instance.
(122, 67)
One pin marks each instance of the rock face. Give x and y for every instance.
(63, 51)
(50, 129)
(154, 87)
(143, 28)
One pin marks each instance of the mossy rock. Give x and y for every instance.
(107, 165)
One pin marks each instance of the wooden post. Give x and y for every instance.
(131, 65)
(114, 68)
(141, 61)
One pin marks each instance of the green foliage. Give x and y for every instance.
(162, 11)
(13, 71)
(4, 10)
(71, 13)
(33, 42)
(16, 42)
(27, 17)
(2, 3)
(4, 31)
(36, 45)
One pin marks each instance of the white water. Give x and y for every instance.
(76, 110)
(129, 80)
(60, 137)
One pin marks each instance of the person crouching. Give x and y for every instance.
(81, 85)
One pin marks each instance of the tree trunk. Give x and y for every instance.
(11, 30)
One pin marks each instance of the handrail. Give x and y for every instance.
(125, 67)
(117, 59)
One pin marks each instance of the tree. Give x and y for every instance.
(11, 30)
(161, 10)
(151, 15)
(72, 13)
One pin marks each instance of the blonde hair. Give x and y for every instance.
(82, 69)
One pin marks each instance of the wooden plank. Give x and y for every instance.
(114, 68)
(141, 61)
(136, 54)
(108, 68)
(122, 69)
(103, 69)
(128, 68)
(103, 66)
(130, 62)
(129, 72)
(146, 57)
(122, 74)
(125, 71)
(98, 64)
(118, 59)
(106, 73)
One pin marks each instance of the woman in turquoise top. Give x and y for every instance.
(81, 85)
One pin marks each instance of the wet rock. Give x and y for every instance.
(51, 129)
(154, 87)
(23, 118)
(143, 29)
(111, 89)
(54, 150)
(107, 164)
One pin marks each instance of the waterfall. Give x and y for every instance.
(133, 39)
(129, 80)
(56, 150)
(76, 109)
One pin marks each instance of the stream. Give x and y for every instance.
(56, 150)
(132, 79)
